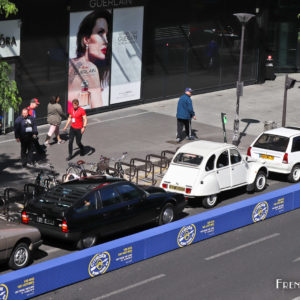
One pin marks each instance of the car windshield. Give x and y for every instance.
(65, 195)
(187, 158)
(272, 142)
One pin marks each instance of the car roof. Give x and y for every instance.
(284, 131)
(203, 148)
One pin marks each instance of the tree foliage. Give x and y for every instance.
(7, 8)
(8, 89)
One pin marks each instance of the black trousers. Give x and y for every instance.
(187, 125)
(75, 133)
(26, 148)
(38, 147)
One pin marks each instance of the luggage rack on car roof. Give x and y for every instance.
(292, 127)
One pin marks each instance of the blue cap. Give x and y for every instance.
(188, 90)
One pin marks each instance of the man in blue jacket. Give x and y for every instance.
(185, 113)
(25, 132)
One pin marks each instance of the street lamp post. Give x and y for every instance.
(243, 18)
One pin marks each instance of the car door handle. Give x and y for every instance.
(217, 172)
(232, 168)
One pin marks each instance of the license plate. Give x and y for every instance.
(45, 221)
(267, 156)
(177, 188)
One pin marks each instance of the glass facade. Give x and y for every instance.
(283, 34)
(190, 43)
(200, 50)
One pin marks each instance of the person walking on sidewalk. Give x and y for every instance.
(54, 117)
(185, 112)
(25, 132)
(77, 118)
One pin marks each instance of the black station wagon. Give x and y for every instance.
(84, 210)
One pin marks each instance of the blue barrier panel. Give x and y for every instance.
(71, 268)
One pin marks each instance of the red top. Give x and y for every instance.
(31, 111)
(77, 115)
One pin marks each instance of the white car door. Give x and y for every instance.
(238, 168)
(223, 170)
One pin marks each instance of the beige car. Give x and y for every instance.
(17, 243)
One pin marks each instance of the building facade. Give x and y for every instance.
(147, 51)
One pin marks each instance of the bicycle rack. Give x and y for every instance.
(168, 155)
(162, 163)
(146, 167)
(16, 197)
(131, 171)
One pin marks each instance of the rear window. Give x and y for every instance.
(272, 142)
(189, 159)
(65, 195)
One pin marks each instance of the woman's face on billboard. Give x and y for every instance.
(97, 42)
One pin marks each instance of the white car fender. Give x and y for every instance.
(254, 167)
(208, 185)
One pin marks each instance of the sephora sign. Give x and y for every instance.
(10, 38)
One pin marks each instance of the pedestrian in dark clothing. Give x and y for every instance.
(185, 113)
(77, 118)
(34, 103)
(25, 132)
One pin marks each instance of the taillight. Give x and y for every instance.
(285, 159)
(188, 190)
(165, 186)
(249, 151)
(64, 226)
(25, 218)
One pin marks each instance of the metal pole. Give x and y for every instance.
(238, 91)
(284, 102)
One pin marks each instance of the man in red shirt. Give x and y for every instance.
(34, 103)
(77, 118)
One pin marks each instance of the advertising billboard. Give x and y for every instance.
(127, 40)
(89, 58)
(105, 56)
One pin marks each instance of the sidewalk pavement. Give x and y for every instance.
(151, 128)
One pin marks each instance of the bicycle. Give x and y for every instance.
(46, 181)
(118, 170)
(75, 171)
(78, 170)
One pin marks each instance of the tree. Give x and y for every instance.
(7, 8)
(8, 88)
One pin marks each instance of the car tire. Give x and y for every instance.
(294, 176)
(20, 257)
(210, 201)
(260, 182)
(87, 241)
(167, 214)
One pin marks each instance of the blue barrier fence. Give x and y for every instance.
(53, 274)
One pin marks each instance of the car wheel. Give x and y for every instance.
(167, 214)
(209, 201)
(260, 181)
(294, 176)
(20, 257)
(86, 241)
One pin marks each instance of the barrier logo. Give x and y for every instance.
(260, 211)
(186, 235)
(99, 264)
(3, 292)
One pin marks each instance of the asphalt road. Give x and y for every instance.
(264, 251)
(242, 264)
